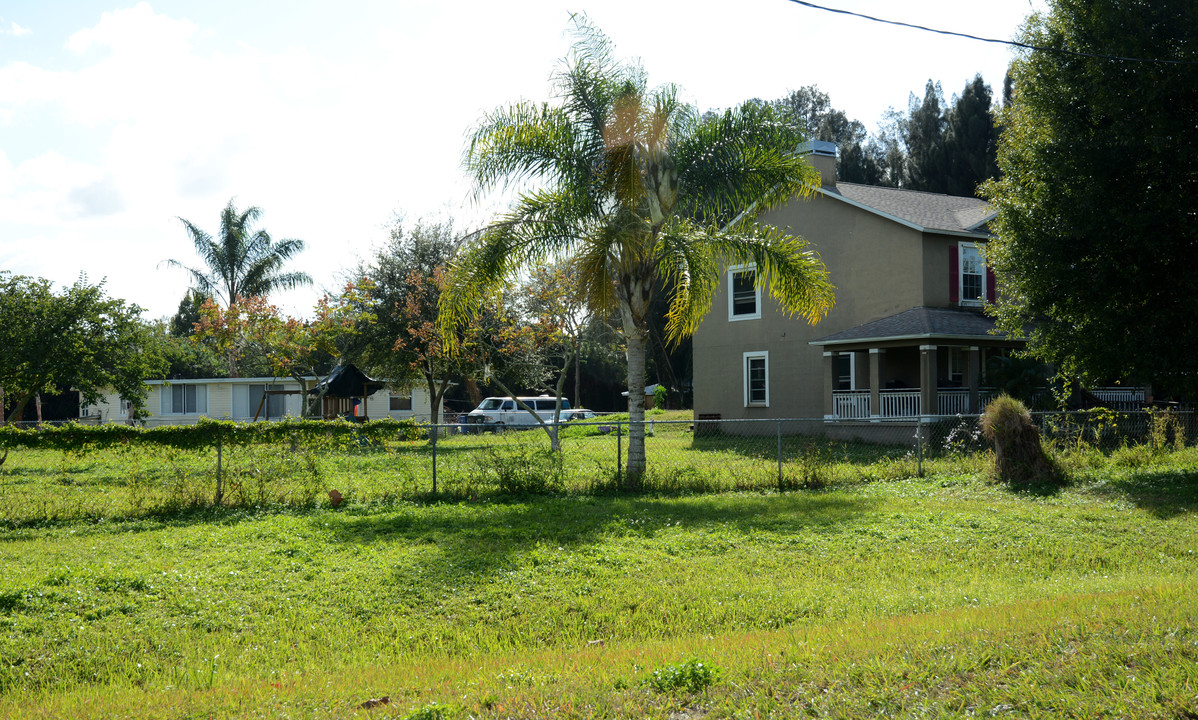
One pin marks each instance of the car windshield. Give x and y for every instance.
(490, 404)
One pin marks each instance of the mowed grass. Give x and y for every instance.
(944, 596)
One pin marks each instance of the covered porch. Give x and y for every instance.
(920, 362)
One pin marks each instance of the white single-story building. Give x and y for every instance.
(182, 402)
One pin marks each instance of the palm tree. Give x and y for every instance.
(637, 186)
(242, 261)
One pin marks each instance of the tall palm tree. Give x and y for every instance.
(242, 261)
(637, 186)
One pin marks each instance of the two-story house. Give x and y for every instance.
(907, 335)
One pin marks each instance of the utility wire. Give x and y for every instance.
(994, 40)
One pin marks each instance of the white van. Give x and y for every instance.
(500, 412)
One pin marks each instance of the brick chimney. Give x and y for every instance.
(821, 154)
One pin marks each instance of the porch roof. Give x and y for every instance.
(919, 323)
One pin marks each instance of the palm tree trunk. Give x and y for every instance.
(634, 338)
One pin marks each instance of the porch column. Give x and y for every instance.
(829, 383)
(875, 382)
(927, 380)
(973, 373)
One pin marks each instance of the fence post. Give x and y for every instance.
(919, 446)
(779, 454)
(219, 488)
(619, 452)
(435, 430)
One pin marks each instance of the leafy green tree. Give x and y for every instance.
(182, 323)
(79, 339)
(859, 158)
(404, 342)
(185, 358)
(970, 141)
(241, 261)
(1096, 230)
(634, 185)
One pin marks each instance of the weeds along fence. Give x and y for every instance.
(98, 470)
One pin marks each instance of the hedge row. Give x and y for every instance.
(206, 434)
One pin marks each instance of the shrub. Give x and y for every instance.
(1019, 458)
(691, 676)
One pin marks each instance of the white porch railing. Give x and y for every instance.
(854, 404)
(1121, 398)
(900, 403)
(850, 404)
(952, 402)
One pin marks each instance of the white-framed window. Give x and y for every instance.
(972, 273)
(846, 371)
(184, 399)
(744, 299)
(756, 368)
(400, 402)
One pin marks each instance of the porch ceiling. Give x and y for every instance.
(922, 323)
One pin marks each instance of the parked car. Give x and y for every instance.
(495, 413)
(579, 414)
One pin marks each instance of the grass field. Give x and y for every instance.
(877, 594)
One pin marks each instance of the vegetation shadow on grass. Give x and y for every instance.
(486, 540)
(1165, 493)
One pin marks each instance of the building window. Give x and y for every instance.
(757, 379)
(972, 273)
(400, 403)
(274, 406)
(956, 366)
(744, 299)
(184, 400)
(846, 366)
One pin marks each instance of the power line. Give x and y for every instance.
(1014, 43)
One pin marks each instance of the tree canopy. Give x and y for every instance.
(241, 261)
(634, 186)
(403, 343)
(1097, 225)
(77, 339)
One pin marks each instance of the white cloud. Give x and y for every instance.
(13, 29)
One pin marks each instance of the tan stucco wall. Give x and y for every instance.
(878, 268)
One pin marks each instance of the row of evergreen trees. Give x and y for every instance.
(935, 146)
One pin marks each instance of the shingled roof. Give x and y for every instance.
(917, 323)
(921, 210)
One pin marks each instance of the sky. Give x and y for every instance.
(117, 119)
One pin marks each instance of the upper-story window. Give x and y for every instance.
(744, 299)
(972, 269)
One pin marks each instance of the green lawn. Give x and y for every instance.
(124, 593)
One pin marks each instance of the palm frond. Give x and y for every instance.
(519, 143)
(690, 256)
(745, 158)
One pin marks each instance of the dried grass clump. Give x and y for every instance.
(1019, 458)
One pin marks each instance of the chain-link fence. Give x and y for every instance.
(463, 462)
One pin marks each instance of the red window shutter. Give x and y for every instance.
(991, 289)
(954, 275)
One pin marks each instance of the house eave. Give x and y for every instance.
(903, 338)
(969, 232)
